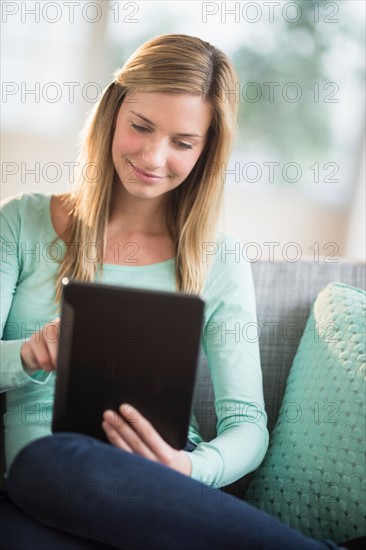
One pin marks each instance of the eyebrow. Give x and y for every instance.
(152, 124)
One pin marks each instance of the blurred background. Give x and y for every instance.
(295, 184)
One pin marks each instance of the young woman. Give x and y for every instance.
(144, 213)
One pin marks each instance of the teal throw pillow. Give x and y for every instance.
(313, 476)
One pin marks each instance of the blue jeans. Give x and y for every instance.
(71, 491)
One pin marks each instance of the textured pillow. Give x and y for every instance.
(313, 476)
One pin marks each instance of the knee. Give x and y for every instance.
(48, 454)
(46, 462)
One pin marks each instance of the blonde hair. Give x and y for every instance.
(172, 63)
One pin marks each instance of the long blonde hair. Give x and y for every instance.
(172, 63)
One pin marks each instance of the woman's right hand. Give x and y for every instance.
(40, 351)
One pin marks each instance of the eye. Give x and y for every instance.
(140, 129)
(183, 145)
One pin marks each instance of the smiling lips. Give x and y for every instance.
(145, 176)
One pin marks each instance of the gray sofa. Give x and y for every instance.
(285, 292)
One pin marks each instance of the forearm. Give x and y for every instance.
(231, 455)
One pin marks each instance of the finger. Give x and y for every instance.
(28, 358)
(153, 440)
(41, 357)
(120, 439)
(130, 413)
(51, 334)
(115, 438)
(128, 434)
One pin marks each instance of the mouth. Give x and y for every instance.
(145, 176)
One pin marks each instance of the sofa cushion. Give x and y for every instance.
(313, 476)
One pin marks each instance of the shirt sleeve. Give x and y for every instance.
(230, 342)
(12, 374)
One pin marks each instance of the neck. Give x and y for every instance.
(134, 215)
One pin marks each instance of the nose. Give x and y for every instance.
(154, 154)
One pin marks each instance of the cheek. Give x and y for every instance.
(182, 162)
(124, 144)
(186, 163)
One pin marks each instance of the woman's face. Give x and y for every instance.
(158, 139)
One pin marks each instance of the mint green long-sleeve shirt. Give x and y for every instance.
(28, 272)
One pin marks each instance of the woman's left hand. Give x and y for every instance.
(133, 433)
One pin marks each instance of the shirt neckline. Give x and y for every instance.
(110, 267)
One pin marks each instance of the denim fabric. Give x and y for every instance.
(73, 491)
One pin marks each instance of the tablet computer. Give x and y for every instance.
(120, 344)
